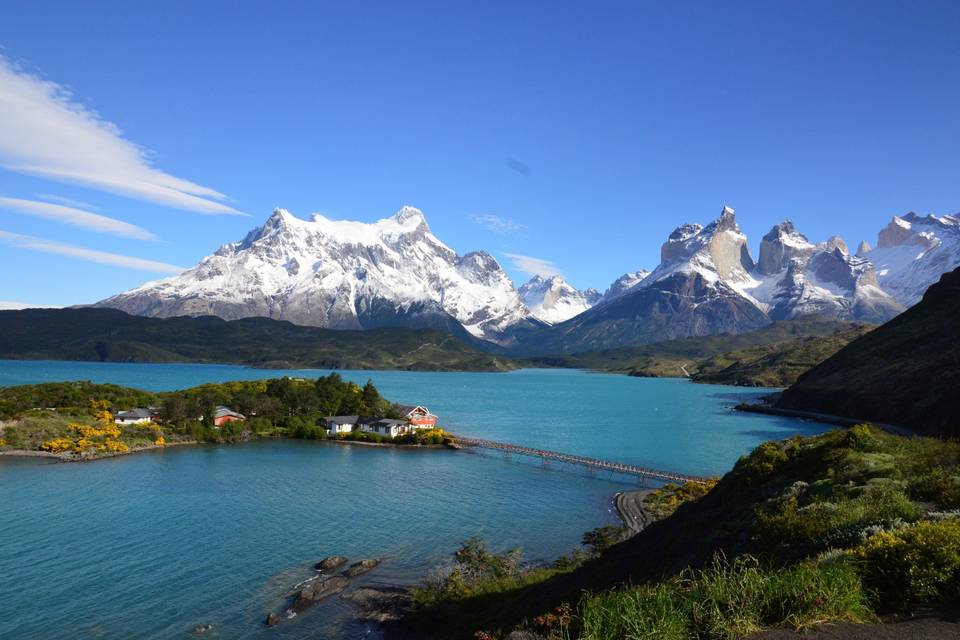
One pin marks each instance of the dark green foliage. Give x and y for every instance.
(602, 538)
(110, 335)
(70, 395)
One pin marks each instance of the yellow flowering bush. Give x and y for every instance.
(115, 446)
(3, 442)
(159, 441)
(57, 445)
(915, 565)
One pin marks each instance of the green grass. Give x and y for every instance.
(728, 601)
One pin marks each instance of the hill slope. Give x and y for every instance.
(770, 356)
(110, 335)
(906, 372)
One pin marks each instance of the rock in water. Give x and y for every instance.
(330, 563)
(272, 619)
(361, 567)
(318, 590)
(201, 629)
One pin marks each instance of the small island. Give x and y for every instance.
(75, 421)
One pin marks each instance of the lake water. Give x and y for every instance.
(153, 544)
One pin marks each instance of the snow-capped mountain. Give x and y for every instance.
(795, 277)
(623, 284)
(912, 253)
(341, 274)
(552, 300)
(707, 283)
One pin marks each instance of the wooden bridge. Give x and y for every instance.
(590, 463)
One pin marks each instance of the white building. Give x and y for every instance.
(134, 416)
(341, 424)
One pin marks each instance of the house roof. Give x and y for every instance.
(390, 421)
(223, 412)
(343, 419)
(134, 414)
(407, 409)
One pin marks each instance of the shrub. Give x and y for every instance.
(57, 445)
(911, 566)
(765, 460)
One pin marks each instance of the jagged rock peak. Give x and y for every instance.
(863, 248)
(410, 214)
(782, 244)
(727, 219)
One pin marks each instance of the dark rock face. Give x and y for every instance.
(319, 590)
(381, 605)
(358, 568)
(330, 563)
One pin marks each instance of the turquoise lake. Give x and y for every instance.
(151, 545)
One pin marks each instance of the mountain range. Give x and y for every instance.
(396, 273)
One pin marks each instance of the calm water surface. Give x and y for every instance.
(152, 544)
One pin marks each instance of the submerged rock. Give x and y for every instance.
(330, 563)
(381, 605)
(272, 619)
(201, 629)
(361, 567)
(318, 590)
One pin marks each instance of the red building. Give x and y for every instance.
(418, 417)
(224, 415)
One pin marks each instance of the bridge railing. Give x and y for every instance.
(594, 463)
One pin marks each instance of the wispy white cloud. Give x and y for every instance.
(32, 243)
(70, 202)
(533, 266)
(11, 305)
(44, 132)
(76, 218)
(496, 224)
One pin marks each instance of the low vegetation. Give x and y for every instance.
(773, 356)
(847, 526)
(77, 418)
(109, 335)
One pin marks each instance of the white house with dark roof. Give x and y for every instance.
(134, 416)
(387, 427)
(341, 424)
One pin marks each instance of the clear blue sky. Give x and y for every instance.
(589, 130)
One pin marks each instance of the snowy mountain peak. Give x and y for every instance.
(552, 300)
(624, 283)
(340, 274)
(913, 251)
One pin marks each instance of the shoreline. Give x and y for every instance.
(69, 457)
(826, 418)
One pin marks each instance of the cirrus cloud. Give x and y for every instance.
(45, 133)
(43, 245)
(533, 266)
(76, 218)
(496, 224)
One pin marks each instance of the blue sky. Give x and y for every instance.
(579, 134)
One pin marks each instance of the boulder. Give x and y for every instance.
(318, 590)
(272, 619)
(361, 567)
(381, 605)
(330, 563)
(201, 629)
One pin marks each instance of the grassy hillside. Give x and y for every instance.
(846, 526)
(777, 365)
(772, 356)
(906, 372)
(110, 335)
